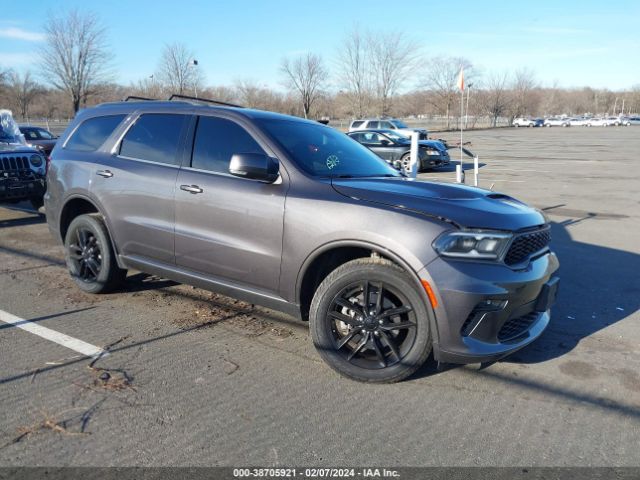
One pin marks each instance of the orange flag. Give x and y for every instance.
(461, 79)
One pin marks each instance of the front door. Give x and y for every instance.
(228, 227)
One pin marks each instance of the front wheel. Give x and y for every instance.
(369, 322)
(90, 258)
(405, 164)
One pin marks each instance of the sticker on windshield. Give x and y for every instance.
(332, 162)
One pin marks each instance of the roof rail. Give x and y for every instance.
(176, 96)
(134, 97)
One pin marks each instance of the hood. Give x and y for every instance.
(468, 207)
(16, 148)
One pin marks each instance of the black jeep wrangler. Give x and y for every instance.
(22, 168)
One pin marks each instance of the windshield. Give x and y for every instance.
(395, 136)
(399, 124)
(324, 152)
(9, 132)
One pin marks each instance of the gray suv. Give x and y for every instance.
(296, 216)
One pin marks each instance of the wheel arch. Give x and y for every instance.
(76, 205)
(326, 258)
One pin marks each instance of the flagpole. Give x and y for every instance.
(461, 124)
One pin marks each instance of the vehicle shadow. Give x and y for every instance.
(599, 286)
(22, 222)
(466, 166)
(140, 282)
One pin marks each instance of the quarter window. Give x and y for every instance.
(92, 133)
(217, 140)
(154, 137)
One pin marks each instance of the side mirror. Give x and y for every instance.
(254, 166)
(385, 143)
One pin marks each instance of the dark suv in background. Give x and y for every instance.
(296, 216)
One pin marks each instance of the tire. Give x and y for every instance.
(36, 202)
(368, 348)
(90, 257)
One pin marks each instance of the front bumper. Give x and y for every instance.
(14, 188)
(487, 311)
(434, 161)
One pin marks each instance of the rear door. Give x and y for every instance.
(136, 185)
(227, 227)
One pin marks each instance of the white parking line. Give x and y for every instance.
(60, 338)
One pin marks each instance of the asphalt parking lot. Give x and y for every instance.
(193, 378)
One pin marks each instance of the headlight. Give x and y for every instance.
(433, 152)
(483, 245)
(36, 160)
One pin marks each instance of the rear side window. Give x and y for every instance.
(92, 133)
(217, 140)
(373, 125)
(154, 137)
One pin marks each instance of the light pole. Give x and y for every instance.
(194, 63)
(466, 117)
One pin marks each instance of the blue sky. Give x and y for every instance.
(573, 43)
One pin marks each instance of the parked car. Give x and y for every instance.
(627, 121)
(395, 149)
(557, 122)
(386, 269)
(22, 168)
(527, 122)
(386, 124)
(39, 138)
(599, 122)
(578, 121)
(614, 121)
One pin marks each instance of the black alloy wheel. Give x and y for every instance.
(90, 257)
(369, 321)
(86, 255)
(373, 325)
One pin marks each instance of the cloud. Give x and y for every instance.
(14, 59)
(16, 33)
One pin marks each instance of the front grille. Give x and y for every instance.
(516, 326)
(8, 163)
(526, 244)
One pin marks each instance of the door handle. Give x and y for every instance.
(191, 188)
(104, 173)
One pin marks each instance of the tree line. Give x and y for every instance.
(371, 73)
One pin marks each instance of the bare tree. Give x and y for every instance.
(177, 71)
(75, 57)
(496, 96)
(441, 79)
(524, 98)
(24, 90)
(392, 57)
(354, 71)
(306, 75)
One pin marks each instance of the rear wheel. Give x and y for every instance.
(369, 322)
(90, 257)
